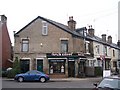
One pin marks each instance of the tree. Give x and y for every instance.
(15, 70)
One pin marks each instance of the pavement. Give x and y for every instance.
(68, 79)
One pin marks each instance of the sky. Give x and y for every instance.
(101, 14)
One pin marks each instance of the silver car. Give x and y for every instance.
(109, 83)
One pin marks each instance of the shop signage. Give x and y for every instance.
(65, 54)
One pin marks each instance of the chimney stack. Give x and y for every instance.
(3, 18)
(118, 43)
(109, 39)
(91, 31)
(71, 23)
(104, 37)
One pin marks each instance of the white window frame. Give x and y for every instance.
(22, 49)
(87, 47)
(44, 28)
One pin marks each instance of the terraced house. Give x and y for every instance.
(59, 50)
(51, 47)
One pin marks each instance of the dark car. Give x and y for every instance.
(32, 75)
(108, 83)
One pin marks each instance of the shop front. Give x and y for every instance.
(63, 65)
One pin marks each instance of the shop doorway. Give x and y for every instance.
(71, 68)
(81, 69)
(40, 65)
(24, 65)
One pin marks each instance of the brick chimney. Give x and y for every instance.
(109, 39)
(118, 43)
(91, 31)
(71, 23)
(3, 18)
(103, 37)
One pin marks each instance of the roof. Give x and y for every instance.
(75, 33)
(59, 25)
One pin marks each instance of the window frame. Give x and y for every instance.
(87, 47)
(65, 43)
(44, 28)
(113, 53)
(25, 43)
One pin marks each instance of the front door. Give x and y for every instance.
(71, 68)
(40, 65)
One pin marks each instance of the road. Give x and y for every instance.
(53, 83)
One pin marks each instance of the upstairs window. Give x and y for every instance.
(105, 50)
(25, 45)
(64, 46)
(113, 53)
(44, 28)
(87, 45)
(98, 49)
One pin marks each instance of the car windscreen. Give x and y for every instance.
(109, 82)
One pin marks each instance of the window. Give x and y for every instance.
(99, 63)
(91, 63)
(57, 66)
(44, 28)
(87, 45)
(114, 64)
(64, 46)
(113, 53)
(107, 65)
(25, 45)
(119, 64)
(105, 50)
(98, 49)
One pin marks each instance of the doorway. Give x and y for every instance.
(40, 65)
(81, 69)
(24, 65)
(71, 68)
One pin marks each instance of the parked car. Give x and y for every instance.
(32, 75)
(108, 83)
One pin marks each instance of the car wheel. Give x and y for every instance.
(42, 79)
(20, 79)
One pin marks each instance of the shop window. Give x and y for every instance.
(57, 66)
(64, 46)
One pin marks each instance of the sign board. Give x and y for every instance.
(106, 73)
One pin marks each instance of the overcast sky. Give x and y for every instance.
(101, 14)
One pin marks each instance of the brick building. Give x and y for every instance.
(5, 43)
(50, 47)
(62, 50)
